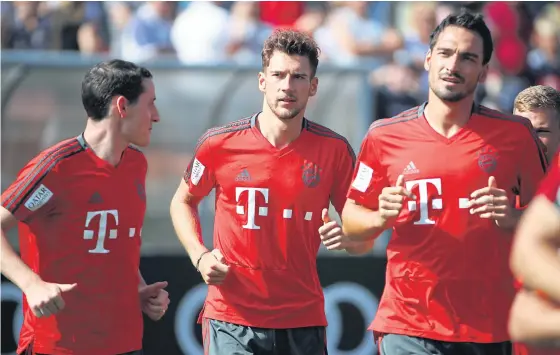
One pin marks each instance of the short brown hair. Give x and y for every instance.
(537, 97)
(292, 43)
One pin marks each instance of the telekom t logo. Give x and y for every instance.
(102, 232)
(423, 198)
(251, 205)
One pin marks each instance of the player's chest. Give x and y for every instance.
(289, 177)
(104, 212)
(456, 170)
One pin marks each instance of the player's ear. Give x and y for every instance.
(483, 74)
(121, 103)
(428, 60)
(262, 81)
(314, 86)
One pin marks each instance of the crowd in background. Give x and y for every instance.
(388, 38)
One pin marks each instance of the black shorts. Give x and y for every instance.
(222, 338)
(29, 351)
(396, 344)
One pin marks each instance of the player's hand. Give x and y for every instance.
(154, 299)
(331, 233)
(391, 200)
(492, 202)
(45, 298)
(213, 267)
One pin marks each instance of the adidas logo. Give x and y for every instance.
(243, 176)
(410, 169)
(96, 198)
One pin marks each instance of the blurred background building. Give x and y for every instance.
(205, 57)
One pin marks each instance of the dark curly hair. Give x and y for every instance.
(292, 43)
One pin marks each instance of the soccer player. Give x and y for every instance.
(274, 174)
(80, 206)
(535, 315)
(541, 105)
(444, 176)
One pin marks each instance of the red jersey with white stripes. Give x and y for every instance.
(268, 212)
(80, 222)
(448, 275)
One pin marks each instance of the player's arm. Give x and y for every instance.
(198, 181)
(12, 266)
(360, 223)
(343, 178)
(31, 197)
(186, 221)
(534, 257)
(534, 320)
(372, 204)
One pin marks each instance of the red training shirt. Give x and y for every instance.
(448, 275)
(80, 221)
(268, 212)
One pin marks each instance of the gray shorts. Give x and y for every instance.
(396, 344)
(222, 338)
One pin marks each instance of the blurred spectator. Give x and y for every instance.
(281, 13)
(199, 33)
(29, 28)
(119, 15)
(66, 17)
(312, 18)
(350, 38)
(245, 32)
(148, 34)
(90, 40)
(544, 58)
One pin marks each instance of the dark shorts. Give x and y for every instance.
(395, 344)
(29, 351)
(222, 338)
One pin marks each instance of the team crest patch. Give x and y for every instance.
(311, 174)
(487, 159)
(140, 190)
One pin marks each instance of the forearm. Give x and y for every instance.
(528, 325)
(361, 247)
(361, 224)
(14, 268)
(534, 256)
(537, 263)
(141, 282)
(186, 222)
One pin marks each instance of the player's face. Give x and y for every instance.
(137, 126)
(455, 64)
(546, 123)
(287, 84)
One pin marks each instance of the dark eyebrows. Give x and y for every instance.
(462, 54)
(303, 75)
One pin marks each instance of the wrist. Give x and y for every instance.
(29, 282)
(199, 259)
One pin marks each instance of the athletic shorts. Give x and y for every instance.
(396, 344)
(222, 338)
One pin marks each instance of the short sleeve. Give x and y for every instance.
(532, 169)
(200, 174)
(550, 186)
(369, 177)
(35, 191)
(343, 177)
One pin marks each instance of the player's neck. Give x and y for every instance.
(447, 118)
(104, 141)
(279, 132)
